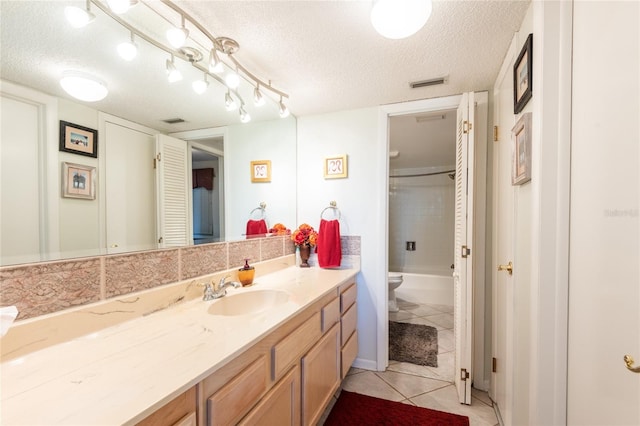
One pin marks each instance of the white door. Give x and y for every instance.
(463, 263)
(130, 202)
(173, 179)
(604, 268)
(503, 249)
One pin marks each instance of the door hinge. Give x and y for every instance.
(464, 374)
(160, 240)
(155, 161)
(465, 127)
(494, 363)
(495, 133)
(465, 251)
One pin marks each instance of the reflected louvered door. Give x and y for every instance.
(462, 275)
(173, 191)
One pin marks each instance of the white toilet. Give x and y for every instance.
(394, 280)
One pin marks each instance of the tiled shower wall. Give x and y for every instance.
(42, 288)
(421, 209)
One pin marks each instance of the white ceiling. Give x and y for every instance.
(324, 54)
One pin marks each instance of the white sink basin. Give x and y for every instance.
(248, 303)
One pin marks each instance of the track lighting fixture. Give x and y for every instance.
(173, 74)
(178, 36)
(282, 109)
(192, 54)
(215, 65)
(258, 99)
(229, 103)
(79, 17)
(244, 116)
(200, 86)
(128, 50)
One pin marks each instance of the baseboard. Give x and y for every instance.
(365, 364)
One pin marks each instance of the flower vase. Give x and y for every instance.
(305, 252)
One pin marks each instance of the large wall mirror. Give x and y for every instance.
(40, 222)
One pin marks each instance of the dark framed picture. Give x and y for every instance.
(523, 76)
(521, 154)
(78, 181)
(78, 139)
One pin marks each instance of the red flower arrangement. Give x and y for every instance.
(279, 229)
(305, 236)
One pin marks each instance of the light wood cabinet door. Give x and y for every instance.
(174, 412)
(320, 375)
(281, 406)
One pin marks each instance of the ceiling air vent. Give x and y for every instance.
(173, 120)
(426, 83)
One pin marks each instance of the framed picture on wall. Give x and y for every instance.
(78, 139)
(523, 76)
(335, 167)
(78, 181)
(521, 155)
(261, 171)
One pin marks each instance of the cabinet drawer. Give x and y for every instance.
(289, 350)
(174, 412)
(188, 420)
(349, 323)
(348, 353)
(281, 406)
(348, 298)
(235, 398)
(330, 314)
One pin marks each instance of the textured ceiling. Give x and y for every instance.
(324, 54)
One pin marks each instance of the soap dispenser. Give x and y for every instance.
(246, 274)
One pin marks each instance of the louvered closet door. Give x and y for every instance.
(462, 276)
(173, 191)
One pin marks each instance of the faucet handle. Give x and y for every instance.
(222, 281)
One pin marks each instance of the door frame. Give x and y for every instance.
(382, 309)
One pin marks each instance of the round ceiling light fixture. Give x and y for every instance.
(83, 86)
(396, 19)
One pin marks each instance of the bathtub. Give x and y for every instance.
(435, 287)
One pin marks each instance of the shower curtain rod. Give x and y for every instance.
(424, 174)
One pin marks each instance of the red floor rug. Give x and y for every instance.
(362, 410)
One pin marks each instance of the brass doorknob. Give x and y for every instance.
(628, 360)
(508, 267)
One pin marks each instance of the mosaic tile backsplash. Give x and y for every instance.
(43, 288)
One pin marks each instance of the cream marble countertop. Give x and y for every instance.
(123, 373)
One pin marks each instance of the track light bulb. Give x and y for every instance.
(215, 64)
(177, 36)
(200, 86)
(244, 116)
(282, 109)
(258, 99)
(232, 80)
(173, 74)
(229, 103)
(128, 50)
(78, 17)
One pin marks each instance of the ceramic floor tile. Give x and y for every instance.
(354, 370)
(368, 383)
(443, 308)
(425, 321)
(443, 320)
(409, 385)
(481, 396)
(446, 341)
(421, 310)
(446, 399)
(400, 316)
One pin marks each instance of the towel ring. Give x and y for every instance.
(333, 206)
(262, 208)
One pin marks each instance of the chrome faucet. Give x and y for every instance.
(213, 291)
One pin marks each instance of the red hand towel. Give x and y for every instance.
(256, 227)
(328, 245)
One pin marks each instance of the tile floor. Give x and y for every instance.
(423, 386)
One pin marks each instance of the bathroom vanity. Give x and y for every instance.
(275, 356)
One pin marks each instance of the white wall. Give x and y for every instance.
(354, 133)
(270, 140)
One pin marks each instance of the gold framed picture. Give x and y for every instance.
(335, 167)
(78, 181)
(261, 171)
